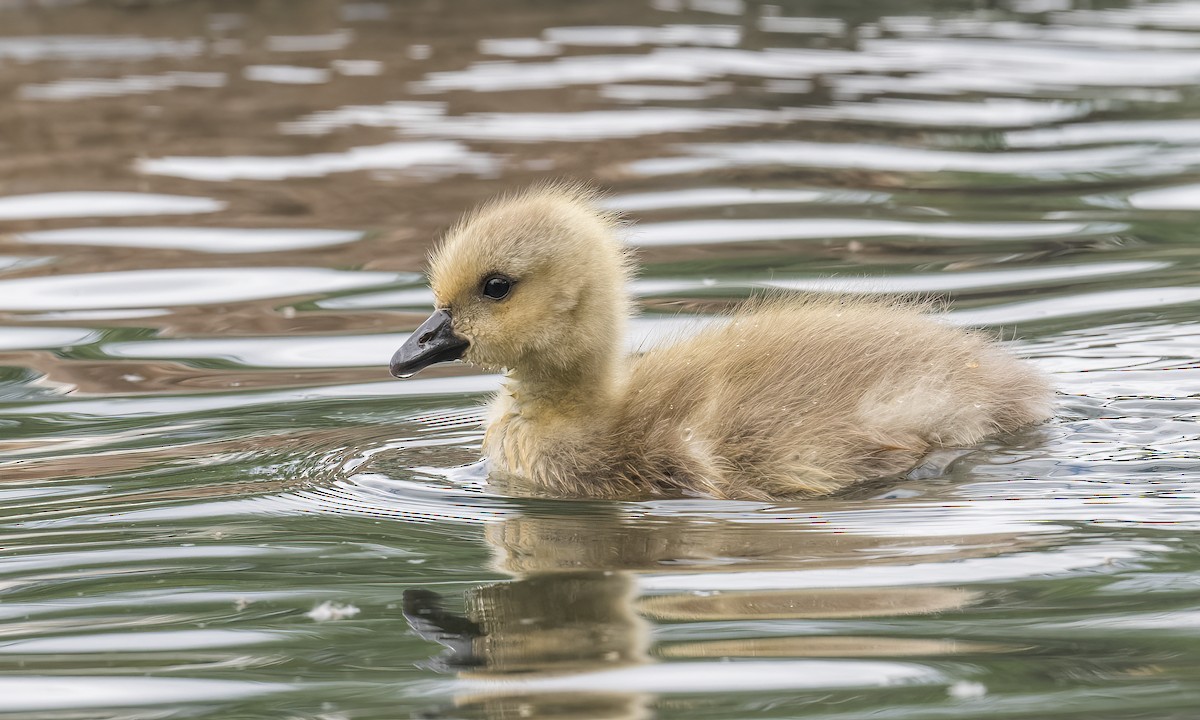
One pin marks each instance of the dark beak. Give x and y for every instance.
(433, 342)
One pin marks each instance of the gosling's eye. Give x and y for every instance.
(497, 287)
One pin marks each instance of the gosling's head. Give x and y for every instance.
(534, 283)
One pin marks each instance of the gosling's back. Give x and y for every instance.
(806, 396)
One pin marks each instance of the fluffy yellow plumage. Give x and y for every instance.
(794, 396)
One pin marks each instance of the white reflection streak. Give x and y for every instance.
(82, 88)
(140, 642)
(177, 287)
(418, 297)
(79, 558)
(969, 570)
(397, 114)
(865, 156)
(427, 119)
(672, 64)
(196, 239)
(30, 693)
(712, 676)
(1180, 197)
(517, 47)
(1088, 34)
(989, 113)
(392, 156)
(287, 74)
(700, 232)
(1039, 66)
(1183, 132)
(289, 352)
(102, 204)
(725, 196)
(95, 47)
(358, 68)
(593, 125)
(942, 282)
(1077, 305)
(35, 338)
(632, 35)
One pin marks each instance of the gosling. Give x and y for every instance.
(792, 397)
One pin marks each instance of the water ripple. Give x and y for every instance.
(1045, 165)
(175, 287)
(32, 694)
(102, 204)
(203, 454)
(205, 240)
(431, 158)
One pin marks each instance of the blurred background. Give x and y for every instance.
(214, 501)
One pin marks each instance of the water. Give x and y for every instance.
(216, 503)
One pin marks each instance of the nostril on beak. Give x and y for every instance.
(425, 338)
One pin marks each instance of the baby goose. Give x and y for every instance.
(792, 397)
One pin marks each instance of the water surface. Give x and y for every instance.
(216, 502)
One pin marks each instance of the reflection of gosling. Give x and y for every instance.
(553, 624)
(794, 396)
(536, 628)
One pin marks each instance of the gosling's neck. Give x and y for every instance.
(546, 424)
(558, 394)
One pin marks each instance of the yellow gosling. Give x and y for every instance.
(794, 396)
